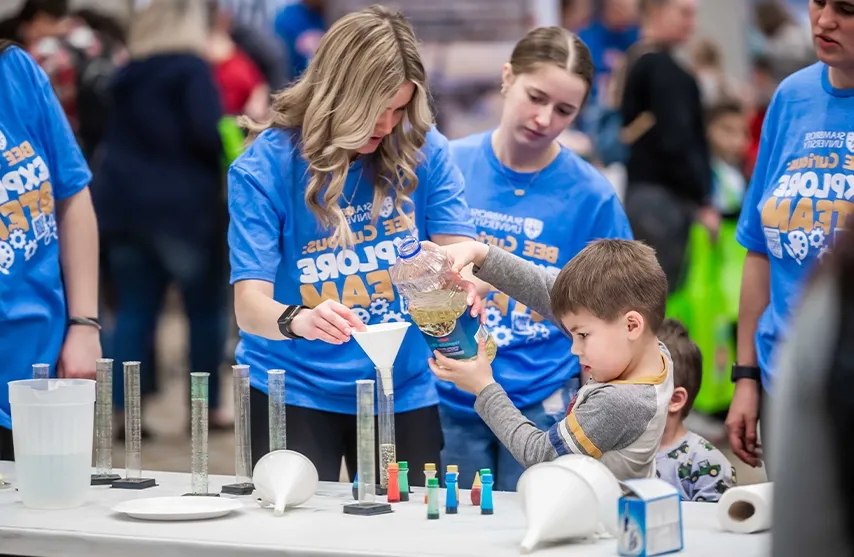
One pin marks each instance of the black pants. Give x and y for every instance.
(662, 220)
(7, 451)
(324, 437)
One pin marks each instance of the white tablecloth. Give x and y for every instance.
(319, 528)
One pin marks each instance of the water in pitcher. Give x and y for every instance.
(437, 301)
(53, 481)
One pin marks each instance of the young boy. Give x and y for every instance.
(687, 461)
(610, 299)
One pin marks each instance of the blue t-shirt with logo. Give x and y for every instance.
(300, 28)
(40, 164)
(565, 206)
(801, 193)
(274, 237)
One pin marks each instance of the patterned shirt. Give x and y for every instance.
(696, 468)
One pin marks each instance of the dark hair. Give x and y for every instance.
(103, 24)
(724, 107)
(32, 8)
(770, 17)
(687, 360)
(609, 278)
(553, 45)
(646, 5)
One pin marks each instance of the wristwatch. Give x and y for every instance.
(286, 319)
(746, 372)
(88, 321)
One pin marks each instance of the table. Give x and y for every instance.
(317, 529)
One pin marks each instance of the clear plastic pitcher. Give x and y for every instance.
(52, 422)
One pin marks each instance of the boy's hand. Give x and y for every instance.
(472, 376)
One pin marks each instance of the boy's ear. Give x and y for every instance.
(677, 400)
(635, 325)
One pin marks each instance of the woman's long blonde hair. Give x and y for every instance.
(358, 68)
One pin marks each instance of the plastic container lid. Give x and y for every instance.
(403, 465)
(433, 482)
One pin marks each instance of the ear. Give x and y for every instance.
(635, 325)
(677, 400)
(507, 77)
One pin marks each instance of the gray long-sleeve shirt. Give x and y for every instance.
(620, 422)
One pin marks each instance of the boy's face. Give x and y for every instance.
(604, 349)
(728, 136)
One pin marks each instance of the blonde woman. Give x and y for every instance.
(349, 164)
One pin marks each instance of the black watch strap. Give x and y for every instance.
(746, 372)
(87, 321)
(286, 319)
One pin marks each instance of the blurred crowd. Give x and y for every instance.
(159, 157)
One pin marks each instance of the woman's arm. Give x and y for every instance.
(258, 314)
(78, 255)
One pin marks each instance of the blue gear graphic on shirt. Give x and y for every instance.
(493, 316)
(502, 335)
(379, 306)
(393, 317)
(817, 237)
(18, 239)
(363, 314)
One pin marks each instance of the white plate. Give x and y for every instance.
(178, 508)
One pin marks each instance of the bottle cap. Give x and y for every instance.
(403, 465)
(453, 468)
(433, 482)
(486, 478)
(393, 466)
(485, 471)
(408, 247)
(430, 466)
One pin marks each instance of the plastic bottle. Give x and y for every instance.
(433, 498)
(436, 301)
(403, 480)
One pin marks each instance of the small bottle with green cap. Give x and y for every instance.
(433, 499)
(403, 480)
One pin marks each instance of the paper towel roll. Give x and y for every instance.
(746, 509)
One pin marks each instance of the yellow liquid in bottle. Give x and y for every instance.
(436, 314)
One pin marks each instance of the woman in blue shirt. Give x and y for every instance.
(797, 203)
(349, 165)
(48, 237)
(539, 200)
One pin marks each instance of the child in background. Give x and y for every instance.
(687, 461)
(610, 299)
(726, 127)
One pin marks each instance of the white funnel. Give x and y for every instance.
(381, 342)
(605, 485)
(284, 479)
(558, 505)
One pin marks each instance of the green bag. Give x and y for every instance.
(232, 139)
(707, 305)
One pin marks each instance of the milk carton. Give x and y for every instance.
(650, 519)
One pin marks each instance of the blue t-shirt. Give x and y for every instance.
(300, 28)
(800, 194)
(40, 163)
(607, 48)
(566, 206)
(274, 237)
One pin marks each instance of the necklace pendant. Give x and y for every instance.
(519, 192)
(349, 211)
